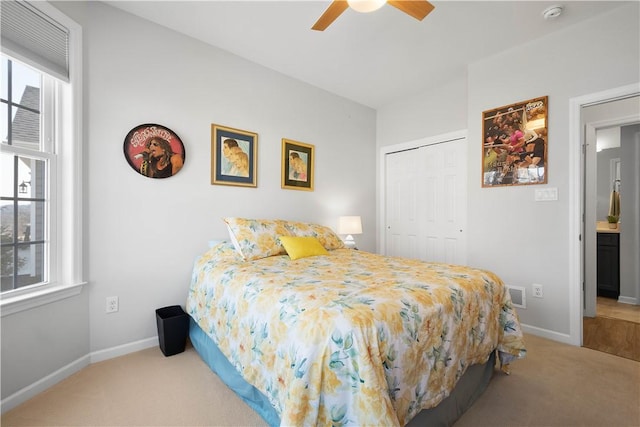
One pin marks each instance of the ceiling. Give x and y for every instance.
(373, 59)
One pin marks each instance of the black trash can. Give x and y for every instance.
(173, 328)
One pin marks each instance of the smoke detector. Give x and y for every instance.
(552, 12)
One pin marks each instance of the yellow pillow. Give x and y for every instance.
(301, 247)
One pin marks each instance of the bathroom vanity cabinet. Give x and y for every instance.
(608, 264)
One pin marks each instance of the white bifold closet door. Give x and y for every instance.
(426, 202)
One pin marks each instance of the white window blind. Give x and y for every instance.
(35, 38)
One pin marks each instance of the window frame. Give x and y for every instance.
(65, 193)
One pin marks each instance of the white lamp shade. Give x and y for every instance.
(349, 225)
(366, 5)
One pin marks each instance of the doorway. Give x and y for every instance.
(609, 323)
(583, 224)
(620, 115)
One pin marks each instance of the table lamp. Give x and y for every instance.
(349, 225)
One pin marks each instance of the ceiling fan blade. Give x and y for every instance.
(334, 10)
(416, 8)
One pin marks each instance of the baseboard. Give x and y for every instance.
(121, 350)
(546, 333)
(627, 300)
(41, 385)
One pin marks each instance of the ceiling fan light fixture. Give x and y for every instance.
(366, 6)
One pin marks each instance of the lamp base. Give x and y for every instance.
(349, 243)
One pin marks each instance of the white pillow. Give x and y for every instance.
(256, 238)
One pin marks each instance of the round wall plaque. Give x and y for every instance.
(154, 151)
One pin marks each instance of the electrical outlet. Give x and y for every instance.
(112, 304)
(537, 291)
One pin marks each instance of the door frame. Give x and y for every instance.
(382, 175)
(576, 199)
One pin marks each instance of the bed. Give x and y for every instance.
(310, 333)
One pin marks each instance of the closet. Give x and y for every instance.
(426, 200)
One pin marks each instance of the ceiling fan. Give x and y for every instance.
(416, 8)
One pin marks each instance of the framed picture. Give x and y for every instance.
(154, 151)
(234, 156)
(514, 144)
(297, 165)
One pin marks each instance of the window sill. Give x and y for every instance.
(15, 304)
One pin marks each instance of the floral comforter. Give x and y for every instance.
(351, 337)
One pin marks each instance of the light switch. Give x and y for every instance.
(546, 194)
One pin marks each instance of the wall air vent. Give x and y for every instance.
(518, 296)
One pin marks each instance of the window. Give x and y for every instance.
(25, 162)
(40, 156)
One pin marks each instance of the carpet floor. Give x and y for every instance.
(555, 385)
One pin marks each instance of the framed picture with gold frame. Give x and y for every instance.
(234, 156)
(514, 144)
(297, 165)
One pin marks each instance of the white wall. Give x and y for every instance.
(524, 241)
(143, 234)
(439, 111)
(37, 343)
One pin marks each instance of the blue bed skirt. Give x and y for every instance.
(219, 364)
(470, 386)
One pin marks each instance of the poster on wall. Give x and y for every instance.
(234, 156)
(154, 151)
(514, 146)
